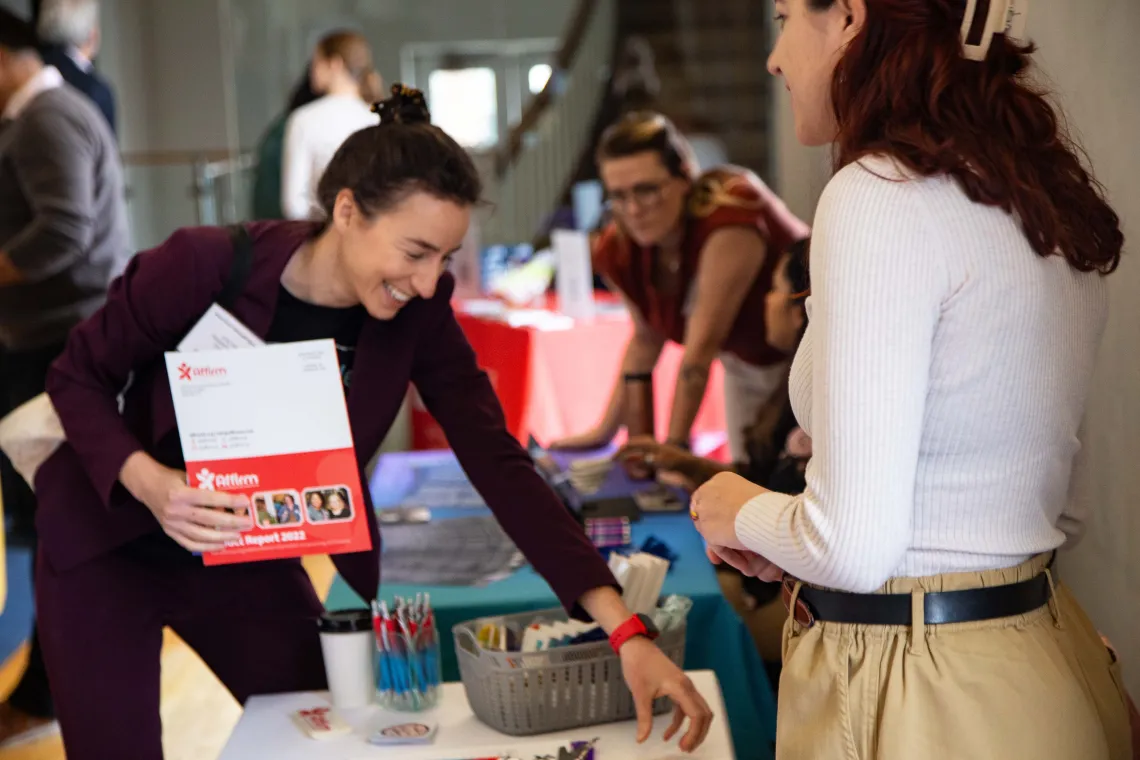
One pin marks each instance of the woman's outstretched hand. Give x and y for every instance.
(650, 674)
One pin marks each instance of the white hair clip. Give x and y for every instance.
(1006, 17)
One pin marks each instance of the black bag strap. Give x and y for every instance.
(240, 268)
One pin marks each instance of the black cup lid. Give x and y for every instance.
(346, 621)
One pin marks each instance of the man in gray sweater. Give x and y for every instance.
(63, 237)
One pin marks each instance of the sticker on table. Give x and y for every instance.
(321, 722)
(405, 733)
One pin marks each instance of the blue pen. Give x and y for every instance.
(382, 648)
(378, 633)
(388, 681)
(410, 658)
(405, 668)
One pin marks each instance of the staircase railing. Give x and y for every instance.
(537, 160)
(171, 189)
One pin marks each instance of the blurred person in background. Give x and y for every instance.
(342, 72)
(693, 257)
(69, 30)
(63, 237)
(266, 202)
(636, 85)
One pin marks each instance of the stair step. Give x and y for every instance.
(655, 14)
(751, 97)
(720, 39)
(718, 73)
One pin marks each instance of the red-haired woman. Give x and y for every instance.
(958, 298)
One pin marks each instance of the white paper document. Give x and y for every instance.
(217, 330)
(271, 422)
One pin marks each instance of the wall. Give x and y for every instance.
(799, 174)
(22, 8)
(166, 61)
(1088, 53)
(210, 75)
(1088, 50)
(273, 39)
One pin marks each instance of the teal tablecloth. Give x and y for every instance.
(717, 640)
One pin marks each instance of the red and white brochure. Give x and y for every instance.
(271, 422)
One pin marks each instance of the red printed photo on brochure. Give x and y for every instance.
(271, 422)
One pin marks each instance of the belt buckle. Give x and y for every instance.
(801, 612)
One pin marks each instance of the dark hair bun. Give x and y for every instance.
(406, 105)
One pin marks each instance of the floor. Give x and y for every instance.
(198, 713)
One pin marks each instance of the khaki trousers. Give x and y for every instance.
(1040, 686)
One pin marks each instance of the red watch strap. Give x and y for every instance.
(626, 631)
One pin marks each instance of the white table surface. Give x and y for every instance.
(267, 730)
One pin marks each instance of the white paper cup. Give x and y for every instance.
(348, 644)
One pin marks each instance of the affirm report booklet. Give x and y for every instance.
(271, 422)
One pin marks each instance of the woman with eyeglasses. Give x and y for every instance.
(692, 256)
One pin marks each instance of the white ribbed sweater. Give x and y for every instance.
(942, 379)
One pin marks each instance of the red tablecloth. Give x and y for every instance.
(554, 383)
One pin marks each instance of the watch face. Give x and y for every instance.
(650, 626)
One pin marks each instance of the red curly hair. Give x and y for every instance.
(904, 89)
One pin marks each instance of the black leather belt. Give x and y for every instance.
(940, 607)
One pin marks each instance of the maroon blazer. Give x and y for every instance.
(83, 510)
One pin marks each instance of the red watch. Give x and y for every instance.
(638, 625)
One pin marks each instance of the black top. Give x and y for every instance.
(294, 320)
(782, 472)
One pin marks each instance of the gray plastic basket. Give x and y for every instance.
(536, 693)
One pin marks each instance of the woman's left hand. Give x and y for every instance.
(650, 674)
(716, 504)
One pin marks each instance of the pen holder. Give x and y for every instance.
(408, 670)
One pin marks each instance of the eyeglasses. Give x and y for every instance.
(645, 194)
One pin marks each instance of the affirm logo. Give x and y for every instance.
(211, 481)
(188, 373)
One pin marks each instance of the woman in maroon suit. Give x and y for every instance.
(119, 524)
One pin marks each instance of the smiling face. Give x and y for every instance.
(809, 47)
(646, 199)
(336, 503)
(401, 253)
